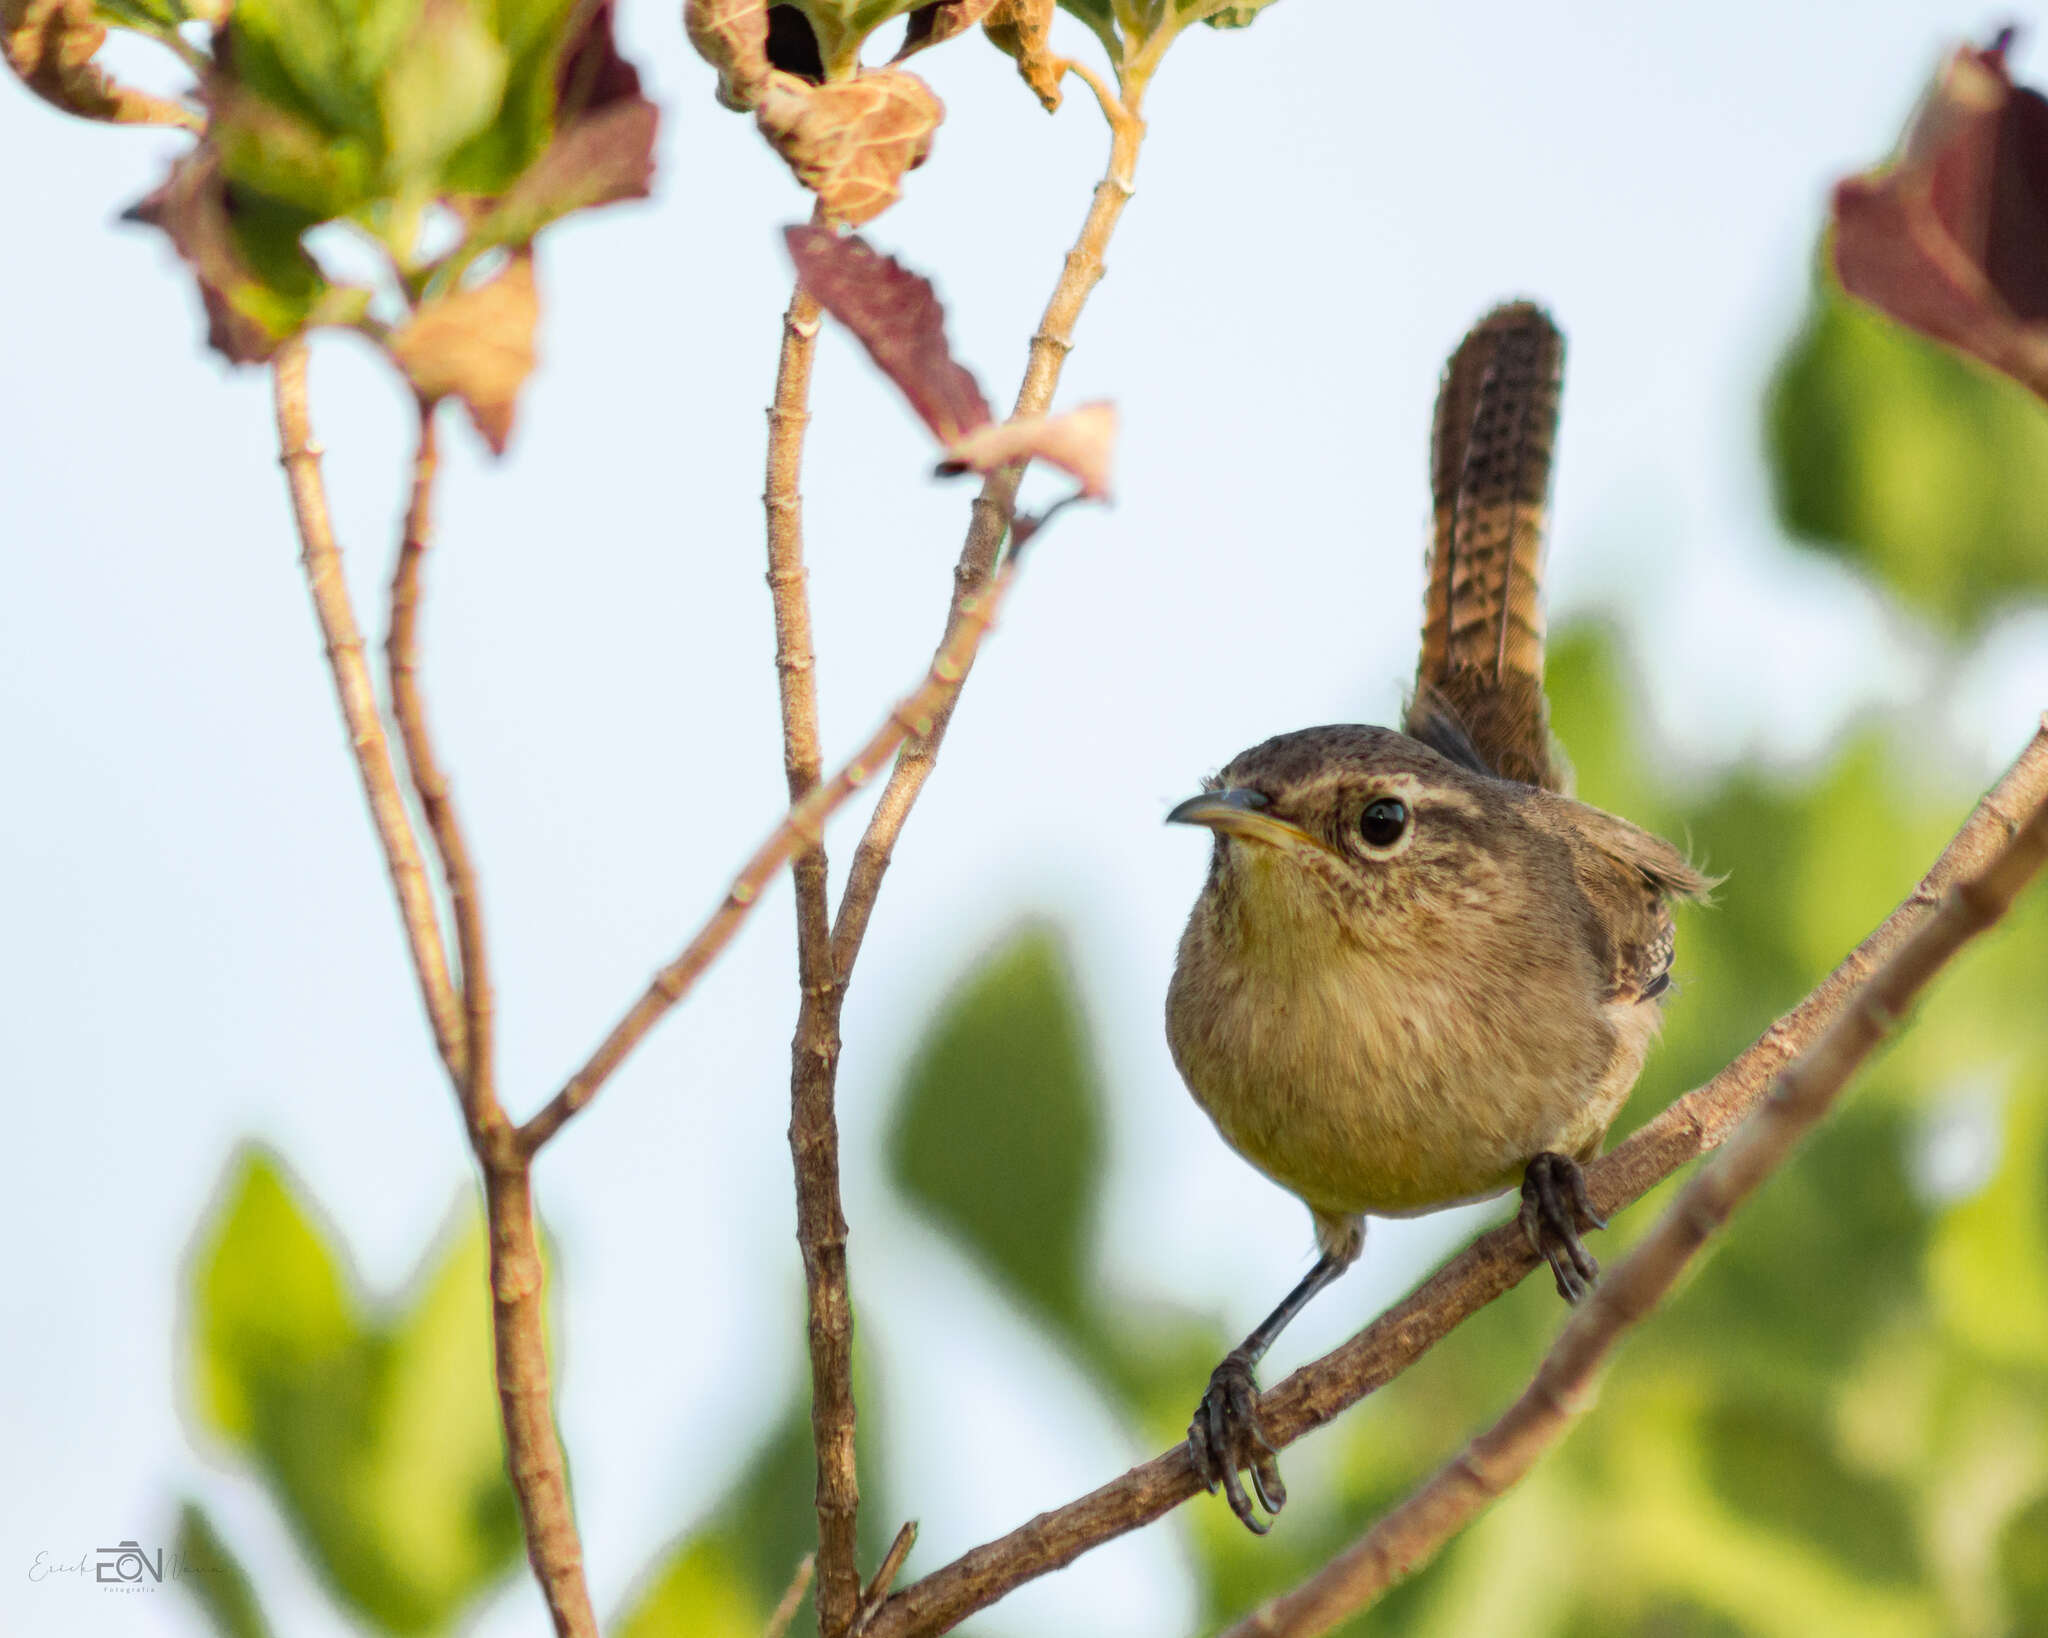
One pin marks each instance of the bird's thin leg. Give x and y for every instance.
(1225, 1434)
(1554, 1208)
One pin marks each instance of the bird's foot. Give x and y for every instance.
(1554, 1208)
(1226, 1436)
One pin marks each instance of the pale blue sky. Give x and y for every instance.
(199, 944)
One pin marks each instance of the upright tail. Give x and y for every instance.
(1479, 685)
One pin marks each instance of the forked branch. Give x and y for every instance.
(1491, 1265)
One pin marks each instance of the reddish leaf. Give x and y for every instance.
(192, 208)
(1081, 442)
(1952, 239)
(896, 316)
(476, 345)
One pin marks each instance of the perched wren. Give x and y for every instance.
(1419, 971)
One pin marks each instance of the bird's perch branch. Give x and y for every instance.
(1562, 1390)
(1491, 1265)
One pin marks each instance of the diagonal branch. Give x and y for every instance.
(804, 823)
(1562, 1391)
(1491, 1265)
(993, 509)
(814, 1049)
(321, 558)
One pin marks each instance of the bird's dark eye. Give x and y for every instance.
(1383, 821)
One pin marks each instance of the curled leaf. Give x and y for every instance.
(1020, 28)
(896, 316)
(1081, 442)
(476, 344)
(50, 46)
(850, 141)
(259, 285)
(941, 20)
(732, 36)
(1952, 239)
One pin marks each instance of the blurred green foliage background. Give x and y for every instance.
(1840, 1425)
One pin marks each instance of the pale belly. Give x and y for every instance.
(1361, 1104)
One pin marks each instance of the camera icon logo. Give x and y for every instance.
(127, 1563)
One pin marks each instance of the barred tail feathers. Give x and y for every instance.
(1482, 635)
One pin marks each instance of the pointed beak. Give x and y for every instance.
(1240, 813)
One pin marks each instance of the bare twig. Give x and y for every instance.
(814, 1050)
(792, 1600)
(1413, 1532)
(993, 508)
(1491, 1265)
(803, 823)
(475, 1078)
(533, 1452)
(321, 557)
(876, 1592)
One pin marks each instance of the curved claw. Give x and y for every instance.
(1554, 1205)
(1225, 1437)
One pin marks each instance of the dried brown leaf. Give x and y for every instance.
(191, 207)
(50, 45)
(896, 316)
(732, 36)
(851, 140)
(939, 21)
(1952, 239)
(1020, 28)
(476, 344)
(1081, 442)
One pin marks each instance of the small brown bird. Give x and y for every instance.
(1419, 971)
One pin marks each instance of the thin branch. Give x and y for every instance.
(299, 454)
(803, 823)
(993, 509)
(475, 1078)
(1491, 1265)
(792, 1600)
(876, 1592)
(533, 1452)
(1412, 1533)
(814, 1049)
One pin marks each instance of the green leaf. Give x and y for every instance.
(998, 1132)
(438, 92)
(211, 1573)
(270, 1299)
(2023, 1566)
(842, 25)
(377, 1436)
(1237, 16)
(1988, 1263)
(1918, 466)
(1777, 1469)
(321, 59)
(700, 1591)
(531, 32)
